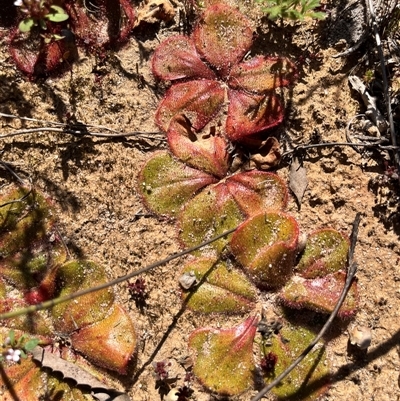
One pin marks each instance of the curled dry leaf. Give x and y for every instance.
(298, 180)
(360, 336)
(71, 371)
(155, 11)
(267, 156)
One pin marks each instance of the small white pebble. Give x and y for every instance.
(360, 336)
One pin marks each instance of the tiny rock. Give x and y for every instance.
(360, 336)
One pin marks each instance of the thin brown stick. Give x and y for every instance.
(77, 129)
(374, 145)
(351, 272)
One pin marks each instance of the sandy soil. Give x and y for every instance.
(93, 182)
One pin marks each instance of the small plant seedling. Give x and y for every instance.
(292, 9)
(138, 292)
(17, 347)
(268, 363)
(38, 12)
(161, 372)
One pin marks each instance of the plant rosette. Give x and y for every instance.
(101, 24)
(262, 252)
(265, 247)
(33, 269)
(209, 70)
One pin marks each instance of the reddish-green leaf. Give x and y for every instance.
(325, 252)
(177, 58)
(320, 294)
(166, 184)
(196, 101)
(208, 214)
(21, 381)
(90, 308)
(206, 152)
(224, 357)
(257, 191)
(262, 74)
(220, 289)
(309, 380)
(109, 343)
(266, 245)
(223, 36)
(250, 113)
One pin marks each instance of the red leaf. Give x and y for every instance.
(199, 101)
(256, 191)
(110, 342)
(207, 153)
(262, 74)
(32, 55)
(320, 294)
(177, 58)
(113, 22)
(223, 37)
(249, 114)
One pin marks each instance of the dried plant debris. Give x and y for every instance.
(81, 377)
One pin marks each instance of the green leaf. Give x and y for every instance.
(57, 14)
(208, 214)
(166, 184)
(26, 24)
(221, 289)
(74, 276)
(309, 380)
(266, 246)
(325, 252)
(31, 344)
(224, 357)
(11, 335)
